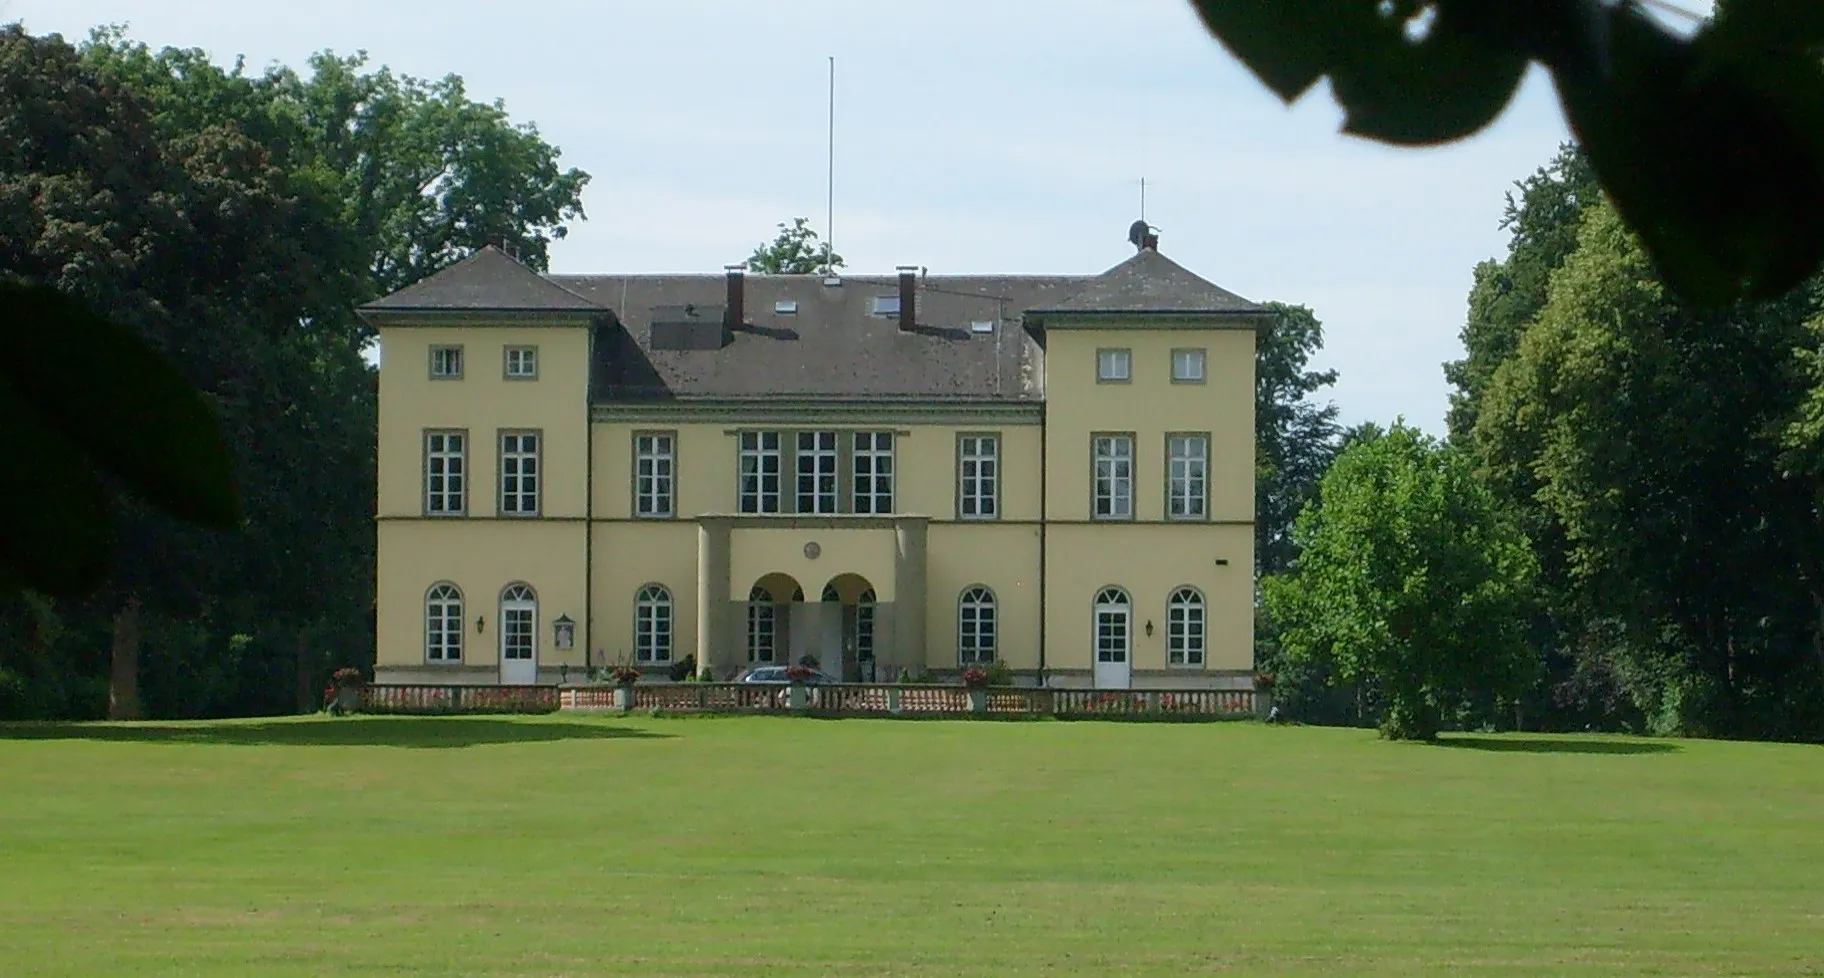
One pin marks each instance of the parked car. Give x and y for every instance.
(776, 674)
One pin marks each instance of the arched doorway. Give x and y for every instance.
(849, 632)
(769, 619)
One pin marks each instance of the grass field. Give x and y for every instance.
(567, 846)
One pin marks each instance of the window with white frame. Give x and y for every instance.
(1187, 366)
(1114, 366)
(1114, 618)
(522, 362)
(446, 363)
(864, 625)
(443, 624)
(1114, 477)
(975, 627)
(761, 464)
(816, 472)
(762, 625)
(654, 465)
(518, 623)
(873, 470)
(978, 471)
(446, 473)
(1184, 627)
(519, 473)
(652, 625)
(1187, 464)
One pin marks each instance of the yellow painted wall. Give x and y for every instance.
(483, 402)
(925, 458)
(1150, 406)
(1150, 561)
(1005, 559)
(755, 553)
(481, 557)
(629, 556)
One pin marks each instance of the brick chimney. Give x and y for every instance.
(908, 297)
(734, 312)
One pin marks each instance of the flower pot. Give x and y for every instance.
(623, 698)
(798, 697)
(978, 699)
(348, 699)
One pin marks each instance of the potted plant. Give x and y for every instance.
(975, 679)
(797, 696)
(347, 682)
(624, 677)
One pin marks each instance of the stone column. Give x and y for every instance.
(714, 651)
(909, 594)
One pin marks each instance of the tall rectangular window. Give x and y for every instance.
(873, 465)
(978, 473)
(519, 475)
(446, 473)
(816, 472)
(1114, 477)
(1187, 466)
(654, 465)
(760, 472)
(446, 363)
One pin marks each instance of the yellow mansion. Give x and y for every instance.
(890, 474)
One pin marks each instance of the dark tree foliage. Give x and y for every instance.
(1295, 435)
(1712, 147)
(794, 251)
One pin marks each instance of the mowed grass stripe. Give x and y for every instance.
(580, 846)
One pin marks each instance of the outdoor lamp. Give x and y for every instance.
(1149, 626)
(479, 619)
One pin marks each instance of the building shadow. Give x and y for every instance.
(1557, 745)
(424, 733)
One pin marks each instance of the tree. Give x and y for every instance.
(1409, 575)
(1664, 445)
(794, 251)
(1711, 147)
(1295, 436)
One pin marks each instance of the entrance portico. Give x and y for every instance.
(848, 591)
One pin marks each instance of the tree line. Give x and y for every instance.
(231, 222)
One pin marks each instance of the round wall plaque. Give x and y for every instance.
(812, 550)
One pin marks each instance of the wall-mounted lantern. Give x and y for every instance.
(479, 622)
(564, 632)
(1149, 627)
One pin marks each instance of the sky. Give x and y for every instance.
(971, 136)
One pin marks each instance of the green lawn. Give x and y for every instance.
(779, 846)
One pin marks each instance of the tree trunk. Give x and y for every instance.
(123, 675)
(309, 697)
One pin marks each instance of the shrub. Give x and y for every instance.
(975, 677)
(625, 675)
(347, 676)
(683, 669)
(999, 674)
(799, 673)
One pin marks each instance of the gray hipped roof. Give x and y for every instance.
(1149, 282)
(800, 336)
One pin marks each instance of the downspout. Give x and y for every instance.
(1044, 514)
(589, 507)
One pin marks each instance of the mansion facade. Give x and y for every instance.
(892, 475)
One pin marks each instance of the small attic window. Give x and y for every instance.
(785, 307)
(982, 326)
(886, 305)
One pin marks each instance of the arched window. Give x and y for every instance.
(443, 624)
(652, 625)
(1184, 627)
(1114, 618)
(976, 628)
(762, 625)
(518, 623)
(830, 595)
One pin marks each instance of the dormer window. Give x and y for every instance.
(886, 306)
(785, 307)
(982, 326)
